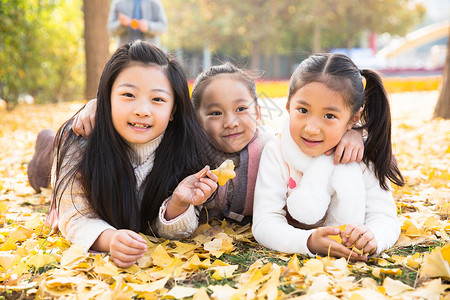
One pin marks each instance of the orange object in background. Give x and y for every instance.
(134, 24)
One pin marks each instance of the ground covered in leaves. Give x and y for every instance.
(223, 261)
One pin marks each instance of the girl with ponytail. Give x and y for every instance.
(300, 195)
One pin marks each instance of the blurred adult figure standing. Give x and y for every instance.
(130, 20)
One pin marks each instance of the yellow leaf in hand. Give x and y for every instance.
(337, 237)
(225, 171)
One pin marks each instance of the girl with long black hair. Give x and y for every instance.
(142, 169)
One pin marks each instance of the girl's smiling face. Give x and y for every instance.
(228, 113)
(318, 118)
(142, 103)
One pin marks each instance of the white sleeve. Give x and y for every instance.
(180, 227)
(270, 226)
(381, 213)
(77, 223)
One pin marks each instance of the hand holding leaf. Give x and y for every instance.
(225, 172)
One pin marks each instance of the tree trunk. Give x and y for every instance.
(442, 109)
(96, 42)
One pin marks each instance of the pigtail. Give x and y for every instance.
(376, 119)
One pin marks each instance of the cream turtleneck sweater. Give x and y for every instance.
(80, 225)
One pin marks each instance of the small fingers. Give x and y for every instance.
(354, 232)
(360, 154)
(338, 154)
(77, 126)
(129, 242)
(119, 247)
(329, 230)
(340, 250)
(354, 156)
(346, 156)
(363, 240)
(87, 128)
(371, 247)
(205, 188)
(212, 176)
(137, 241)
(202, 172)
(366, 243)
(345, 235)
(124, 261)
(198, 198)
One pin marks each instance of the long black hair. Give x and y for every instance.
(104, 168)
(340, 74)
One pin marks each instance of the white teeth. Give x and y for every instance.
(140, 125)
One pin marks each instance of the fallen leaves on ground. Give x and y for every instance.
(222, 261)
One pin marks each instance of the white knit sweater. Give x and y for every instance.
(80, 225)
(271, 227)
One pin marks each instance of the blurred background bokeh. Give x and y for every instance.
(45, 44)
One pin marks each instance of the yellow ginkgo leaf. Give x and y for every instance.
(160, 257)
(223, 272)
(8, 259)
(312, 267)
(107, 269)
(201, 294)
(225, 172)
(437, 263)
(395, 287)
(294, 264)
(40, 260)
(337, 237)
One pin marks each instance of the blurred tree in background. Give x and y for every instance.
(259, 28)
(442, 109)
(43, 43)
(41, 50)
(96, 42)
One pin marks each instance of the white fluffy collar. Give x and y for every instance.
(313, 199)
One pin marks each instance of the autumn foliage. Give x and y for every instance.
(222, 260)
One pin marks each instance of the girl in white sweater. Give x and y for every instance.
(300, 194)
(134, 172)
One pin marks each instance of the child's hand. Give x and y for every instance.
(361, 237)
(124, 19)
(319, 242)
(349, 149)
(126, 247)
(143, 25)
(194, 189)
(84, 121)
